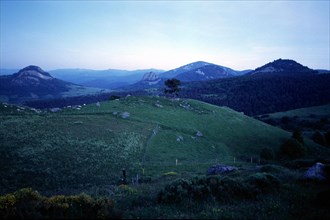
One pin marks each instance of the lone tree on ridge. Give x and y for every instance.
(172, 86)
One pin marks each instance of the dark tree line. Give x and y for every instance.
(256, 95)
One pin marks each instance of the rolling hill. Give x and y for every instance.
(82, 147)
(283, 67)
(313, 122)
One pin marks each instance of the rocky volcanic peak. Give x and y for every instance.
(33, 71)
(151, 78)
(283, 66)
(31, 75)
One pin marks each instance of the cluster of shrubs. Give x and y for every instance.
(322, 139)
(222, 189)
(293, 148)
(267, 154)
(28, 203)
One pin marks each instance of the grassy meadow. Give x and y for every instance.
(159, 142)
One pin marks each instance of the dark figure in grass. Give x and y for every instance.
(123, 180)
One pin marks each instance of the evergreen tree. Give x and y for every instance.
(318, 138)
(298, 136)
(292, 149)
(172, 86)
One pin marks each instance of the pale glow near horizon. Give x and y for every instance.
(163, 35)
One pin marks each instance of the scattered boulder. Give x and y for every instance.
(199, 134)
(220, 169)
(186, 106)
(158, 105)
(179, 138)
(98, 104)
(317, 172)
(125, 115)
(55, 109)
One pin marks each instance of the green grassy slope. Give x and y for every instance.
(308, 120)
(78, 149)
(323, 110)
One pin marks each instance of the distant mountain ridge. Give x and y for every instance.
(108, 79)
(188, 67)
(277, 86)
(200, 71)
(33, 83)
(206, 72)
(196, 71)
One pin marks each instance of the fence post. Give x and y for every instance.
(176, 162)
(124, 176)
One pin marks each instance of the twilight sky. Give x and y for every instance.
(163, 34)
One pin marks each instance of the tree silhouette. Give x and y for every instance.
(296, 134)
(172, 86)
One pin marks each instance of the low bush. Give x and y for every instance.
(297, 135)
(292, 149)
(223, 189)
(270, 168)
(266, 154)
(317, 137)
(28, 203)
(175, 192)
(264, 182)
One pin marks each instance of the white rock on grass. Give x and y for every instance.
(179, 138)
(125, 114)
(199, 134)
(316, 172)
(158, 105)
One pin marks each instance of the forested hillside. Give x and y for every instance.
(259, 94)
